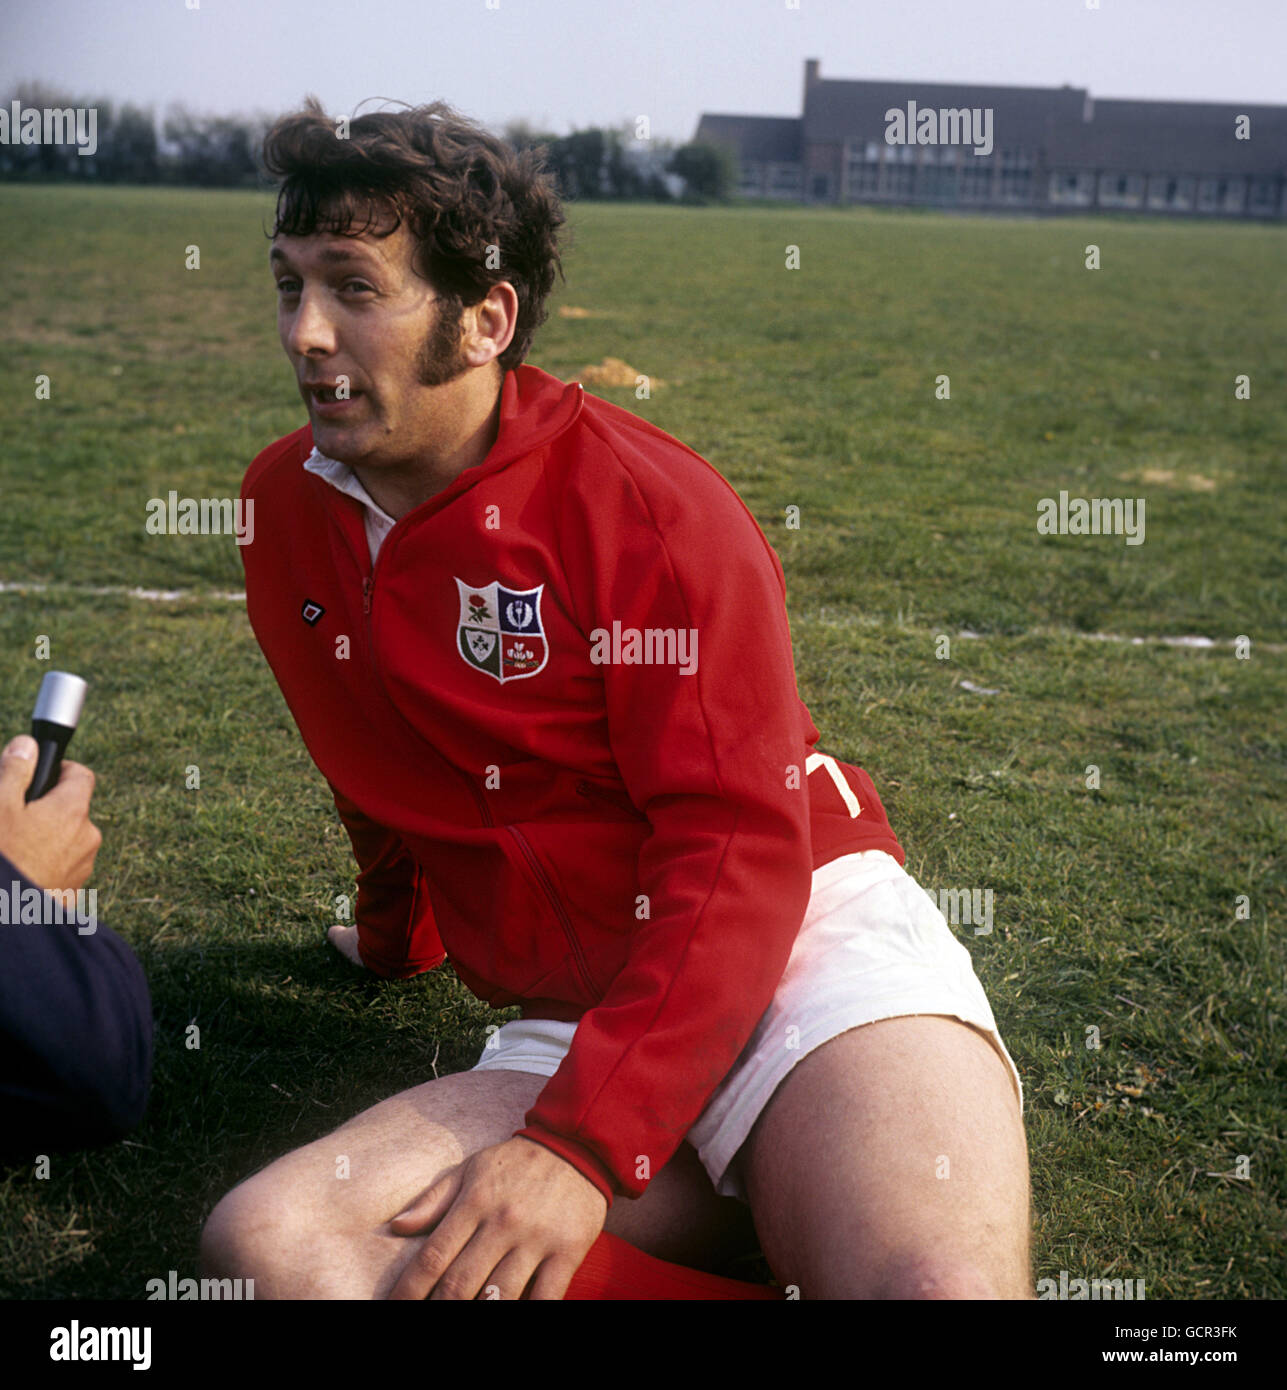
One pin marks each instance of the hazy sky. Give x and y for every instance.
(566, 63)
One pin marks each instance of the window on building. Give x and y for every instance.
(1063, 187)
(975, 180)
(864, 179)
(1122, 190)
(1016, 175)
(939, 184)
(1170, 191)
(861, 176)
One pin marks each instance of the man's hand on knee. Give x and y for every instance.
(509, 1215)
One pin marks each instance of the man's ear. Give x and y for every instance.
(500, 302)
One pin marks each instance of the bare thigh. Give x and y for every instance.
(314, 1223)
(892, 1162)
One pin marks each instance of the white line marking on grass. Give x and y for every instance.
(149, 595)
(1198, 643)
(1189, 641)
(830, 618)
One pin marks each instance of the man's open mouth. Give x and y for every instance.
(329, 393)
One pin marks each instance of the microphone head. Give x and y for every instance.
(61, 699)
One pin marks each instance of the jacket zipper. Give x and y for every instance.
(578, 956)
(368, 594)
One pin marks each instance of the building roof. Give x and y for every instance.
(755, 139)
(1023, 118)
(1063, 126)
(1174, 137)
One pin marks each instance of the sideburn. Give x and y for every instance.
(440, 358)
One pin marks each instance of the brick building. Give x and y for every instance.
(1045, 149)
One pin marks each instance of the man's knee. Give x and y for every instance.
(924, 1277)
(223, 1238)
(249, 1232)
(272, 1228)
(297, 1226)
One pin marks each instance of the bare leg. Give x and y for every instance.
(891, 1163)
(301, 1229)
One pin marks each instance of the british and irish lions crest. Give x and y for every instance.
(500, 630)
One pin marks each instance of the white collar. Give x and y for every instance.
(341, 476)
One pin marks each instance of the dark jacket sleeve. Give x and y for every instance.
(75, 1033)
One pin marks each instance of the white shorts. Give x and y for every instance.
(873, 945)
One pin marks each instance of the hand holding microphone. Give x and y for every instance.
(53, 722)
(45, 829)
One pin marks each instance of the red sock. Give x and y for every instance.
(613, 1269)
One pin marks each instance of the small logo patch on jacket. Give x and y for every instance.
(311, 612)
(500, 630)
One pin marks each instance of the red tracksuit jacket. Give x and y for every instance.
(610, 840)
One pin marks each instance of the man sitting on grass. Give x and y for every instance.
(539, 649)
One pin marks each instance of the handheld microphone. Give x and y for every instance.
(53, 722)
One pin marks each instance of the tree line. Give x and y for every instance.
(190, 149)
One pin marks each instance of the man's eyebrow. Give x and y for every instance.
(331, 254)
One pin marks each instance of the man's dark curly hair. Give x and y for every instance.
(458, 188)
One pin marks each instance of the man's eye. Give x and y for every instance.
(285, 287)
(359, 284)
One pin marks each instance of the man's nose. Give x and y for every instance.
(311, 329)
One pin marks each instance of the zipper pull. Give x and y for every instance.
(366, 595)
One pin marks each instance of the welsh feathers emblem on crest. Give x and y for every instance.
(500, 630)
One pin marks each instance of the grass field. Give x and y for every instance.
(1115, 908)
